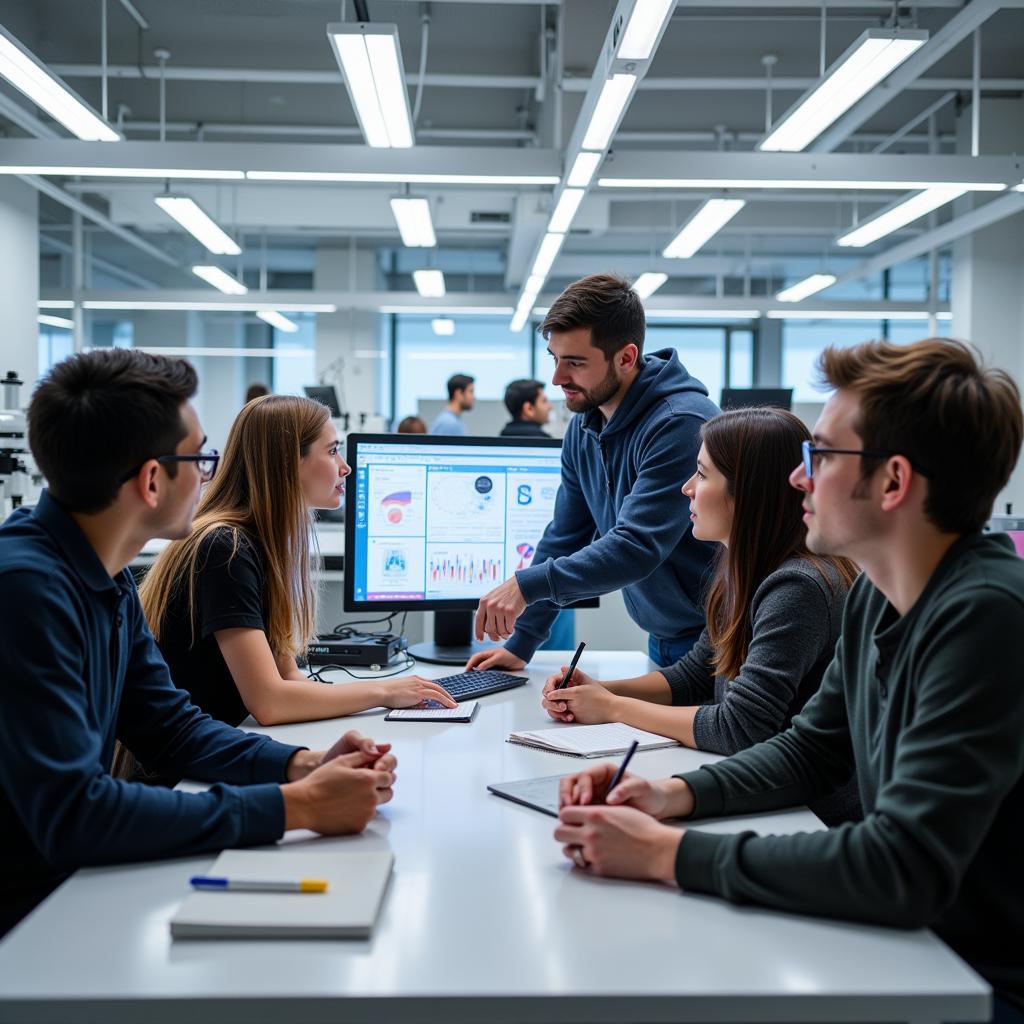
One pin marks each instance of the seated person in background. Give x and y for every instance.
(256, 390)
(120, 445)
(529, 407)
(774, 610)
(923, 698)
(412, 425)
(460, 399)
(232, 603)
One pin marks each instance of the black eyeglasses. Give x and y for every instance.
(809, 452)
(206, 462)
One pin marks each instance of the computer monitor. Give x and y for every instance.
(736, 398)
(325, 394)
(433, 523)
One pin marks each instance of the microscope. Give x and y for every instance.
(19, 485)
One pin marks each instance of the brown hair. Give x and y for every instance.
(935, 403)
(607, 305)
(256, 490)
(755, 449)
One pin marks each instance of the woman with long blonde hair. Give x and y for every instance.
(233, 603)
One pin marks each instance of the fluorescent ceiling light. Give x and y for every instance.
(808, 286)
(837, 185)
(608, 110)
(232, 353)
(702, 314)
(55, 304)
(523, 309)
(56, 170)
(583, 168)
(443, 326)
(220, 279)
(568, 204)
(534, 283)
(441, 307)
(199, 224)
(854, 314)
(56, 321)
(223, 306)
(709, 219)
(26, 72)
(546, 254)
(647, 284)
(644, 27)
(866, 63)
(429, 283)
(412, 214)
(412, 177)
(897, 216)
(371, 61)
(275, 319)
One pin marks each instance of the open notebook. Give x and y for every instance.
(357, 881)
(591, 740)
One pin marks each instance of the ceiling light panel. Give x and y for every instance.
(190, 215)
(220, 279)
(73, 171)
(56, 321)
(549, 247)
(808, 286)
(835, 184)
(29, 75)
(647, 284)
(897, 216)
(412, 215)
(278, 320)
(644, 28)
(442, 326)
(703, 226)
(370, 59)
(429, 283)
(565, 210)
(583, 168)
(866, 63)
(608, 110)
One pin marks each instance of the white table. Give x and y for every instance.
(485, 920)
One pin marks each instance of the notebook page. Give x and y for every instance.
(593, 740)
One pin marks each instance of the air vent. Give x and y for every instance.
(484, 217)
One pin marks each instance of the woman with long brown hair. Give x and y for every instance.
(233, 603)
(773, 608)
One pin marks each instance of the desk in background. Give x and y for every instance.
(485, 920)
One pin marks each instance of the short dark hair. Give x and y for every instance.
(608, 305)
(935, 403)
(458, 382)
(518, 393)
(97, 414)
(255, 390)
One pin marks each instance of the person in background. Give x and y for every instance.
(116, 435)
(460, 399)
(774, 609)
(256, 390)
(412, 425)
(529, 407)
(234, 602)
(923, 698)
(619, 520)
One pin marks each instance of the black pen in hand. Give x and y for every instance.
(617, 777)
(572, 666)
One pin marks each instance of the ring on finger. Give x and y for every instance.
(578, 859)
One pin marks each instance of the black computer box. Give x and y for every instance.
(368, 651)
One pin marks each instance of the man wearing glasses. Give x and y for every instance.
(120, 445)
(923, 698)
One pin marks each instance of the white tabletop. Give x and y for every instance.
(484, 920)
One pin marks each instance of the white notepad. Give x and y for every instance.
(357, 881)
(591, 740)
(463, 713)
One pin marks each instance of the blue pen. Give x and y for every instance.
(216, 884)
(617, 777)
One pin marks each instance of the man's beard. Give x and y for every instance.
(603, 392)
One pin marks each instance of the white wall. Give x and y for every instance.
(19, 282)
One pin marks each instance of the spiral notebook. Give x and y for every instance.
(591, 740)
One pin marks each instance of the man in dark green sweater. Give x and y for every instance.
(923, 698)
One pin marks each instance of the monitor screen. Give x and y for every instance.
(735, 398)
(326, 395)
(437, 522)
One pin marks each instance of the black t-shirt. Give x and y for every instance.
(229, 594)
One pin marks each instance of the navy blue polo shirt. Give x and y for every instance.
(78, 669)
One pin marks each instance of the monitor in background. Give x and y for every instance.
(433, 523)
(325, 394)
(737, 398)
(1010, 525)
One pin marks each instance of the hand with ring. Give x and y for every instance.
(578, 858)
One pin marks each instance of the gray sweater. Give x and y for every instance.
(795, 615)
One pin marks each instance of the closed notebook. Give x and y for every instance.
(591, 740)
(357, 881)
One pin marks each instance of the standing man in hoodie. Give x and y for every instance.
(620, 519)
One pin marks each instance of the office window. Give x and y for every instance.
(55, 344)
(482, 347)
(741, 359)
(701, 350)
(295, 367)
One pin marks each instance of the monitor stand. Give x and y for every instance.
(453, 640)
